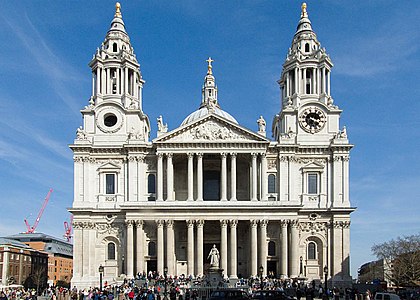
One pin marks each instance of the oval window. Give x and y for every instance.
(110, 120)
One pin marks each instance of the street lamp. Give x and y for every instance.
(165, 273)
(261, 276)
(301, 266)
(122, 264)
(101, 271)
(325, 282)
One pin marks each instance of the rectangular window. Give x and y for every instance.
(312, 183)
(110, 184)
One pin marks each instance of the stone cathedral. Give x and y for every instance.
(142, 203)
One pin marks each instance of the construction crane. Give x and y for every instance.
(68, 228)
(31, 229)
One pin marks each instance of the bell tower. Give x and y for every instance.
(307, 109)
(115, 111)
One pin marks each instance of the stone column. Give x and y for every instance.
(346, 250)
(200, 250)
(141, 179)
(139, 246)
(132, 177)
(117, 78)
(170, 247)
(264, 177)
(337, 182)
(98, 80)
(77, 250)
(160, 177)
(130, 248)
(233, 176)
(85, 256)
(103, 81)
(5, 269)
(223, 246)
(223, 178)
(294, 248)
(108, 81)
(190, 177)
(199, 176)
(254, 177)
(254, 244)
(126, 81)
(170, 178)
(283, 249)
(263, 245)
(323, 81)
(233, 249)
(338, 249)
(160, 246)
(190, 254)
(346, 194)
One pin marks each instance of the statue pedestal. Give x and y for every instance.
(214, 277)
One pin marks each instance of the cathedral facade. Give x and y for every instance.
(277, 206)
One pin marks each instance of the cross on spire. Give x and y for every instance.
(209, 67)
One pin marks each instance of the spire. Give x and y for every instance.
(304, 23)
(209, 91)
(117, 10)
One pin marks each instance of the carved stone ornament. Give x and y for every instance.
(209, 131)
(106, 228)
(136, 135)
(312, 227)
(272, 164)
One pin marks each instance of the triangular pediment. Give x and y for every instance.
(108, 166)
(313, 165)
(211, 128)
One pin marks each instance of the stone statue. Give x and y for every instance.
(261, 124)
(214, 257)
(161, 127)
(80, 133)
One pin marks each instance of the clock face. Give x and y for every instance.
(312, 119)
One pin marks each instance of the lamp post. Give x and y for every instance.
(165, 273)
(301, 266)
(325, 282)
(261, 277)
(122, 264)
(101, 271)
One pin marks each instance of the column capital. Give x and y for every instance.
(200, 223)
(169, 223)
(294, 223)
(224, 223)
(263, 223)
(169, 154)
(233, 223)
(233, 154)
(190, 223)
(223, 154)
(190, 155)
(160, 223)
(200, 154)
(263, 154)
(284, 223)
(160, 154)
(253, 223)
(129, 223)
(139, 223)
(254, 154)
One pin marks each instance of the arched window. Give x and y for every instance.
(152, 249)
(307, 47)
(114, 47)
(271, 183)
(311, 250)
(111, 250)
(271, 248)
(151, 184)
(308, 81)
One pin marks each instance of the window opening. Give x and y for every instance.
(311, 250)
(312, 183)
(271, 183)
(111, 251)
(110, 184)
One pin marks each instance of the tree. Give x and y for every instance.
(39, 278)
(402, 260)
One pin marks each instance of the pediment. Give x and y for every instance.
(109, 166)
(211, 128)
(313, 165)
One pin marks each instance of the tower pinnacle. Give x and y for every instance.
(209, 67)
(304, 13)
(117, 10)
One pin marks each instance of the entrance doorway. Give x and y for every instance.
(272, 268)
(151, 265)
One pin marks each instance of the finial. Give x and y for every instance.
(117, 10)
(304, 13)
(209, 67)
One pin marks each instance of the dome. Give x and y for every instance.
(205, 111)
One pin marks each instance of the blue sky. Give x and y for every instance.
(45, 81)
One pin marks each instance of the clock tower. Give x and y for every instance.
(307, 109)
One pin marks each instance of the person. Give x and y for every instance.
(261, 124)
(214, 257)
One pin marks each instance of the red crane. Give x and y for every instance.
(68, 228)
(31, 229)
